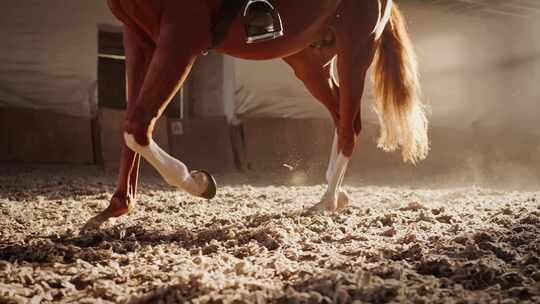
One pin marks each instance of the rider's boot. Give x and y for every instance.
(263, 21)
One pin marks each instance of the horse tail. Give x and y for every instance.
(397, 93)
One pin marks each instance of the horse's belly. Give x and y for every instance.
(304, 22)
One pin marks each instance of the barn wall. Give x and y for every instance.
(48, 52)
(477, 69)
(479, 78)
(212, 86)
(42, 136)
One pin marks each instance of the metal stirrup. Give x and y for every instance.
(276, 30)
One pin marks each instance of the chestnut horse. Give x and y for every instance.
(163, 38)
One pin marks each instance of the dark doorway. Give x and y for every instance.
(112, 75)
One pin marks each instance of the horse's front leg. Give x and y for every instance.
(138, 56)
(170, 65)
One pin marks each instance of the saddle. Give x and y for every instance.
(261, 20)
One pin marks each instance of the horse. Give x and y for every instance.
(162, 39)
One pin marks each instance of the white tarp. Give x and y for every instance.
(48, 54)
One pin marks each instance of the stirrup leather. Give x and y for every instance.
(263, 21)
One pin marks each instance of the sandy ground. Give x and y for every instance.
(255, 244)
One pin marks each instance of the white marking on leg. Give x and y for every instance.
(336, 178)
(334, 198)
(332, 161)
(173, 171)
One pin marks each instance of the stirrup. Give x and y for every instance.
(263, 21)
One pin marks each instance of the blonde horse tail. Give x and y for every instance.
(397, 92)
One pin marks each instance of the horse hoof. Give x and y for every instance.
(317, 209)
(92, 225)
(211, 190)
(329, 205)
(325, 205)
(343, 200)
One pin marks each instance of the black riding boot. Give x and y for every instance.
(263, 21)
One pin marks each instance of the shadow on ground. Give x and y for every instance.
(501, 261)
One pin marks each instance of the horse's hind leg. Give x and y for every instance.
(313, 67)
(355, 48)
(138, 55)
(170, 65)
